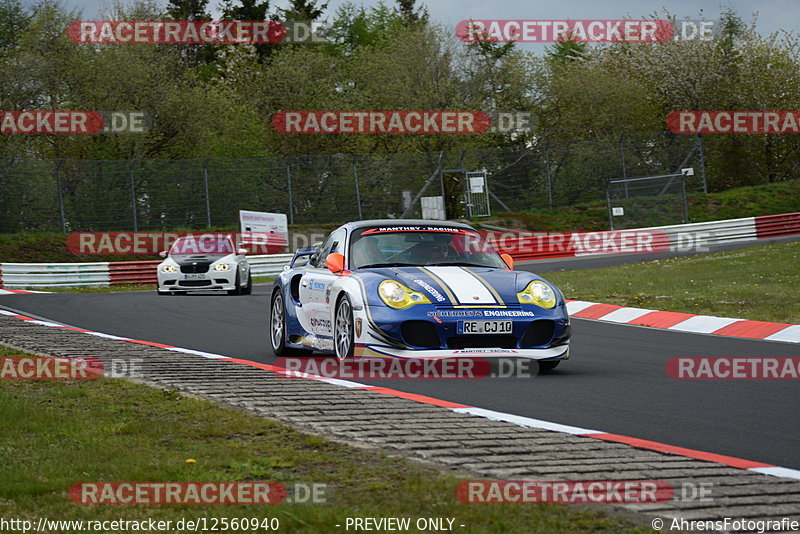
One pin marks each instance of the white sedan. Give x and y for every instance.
(204, 263)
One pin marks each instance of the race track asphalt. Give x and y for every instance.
(615, 381)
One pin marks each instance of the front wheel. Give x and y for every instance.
(548, 366)
(248, 289)
(277, 328)
(343, 331)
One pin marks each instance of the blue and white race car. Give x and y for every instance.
(415, 289)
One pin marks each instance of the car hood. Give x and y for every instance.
(450, 286)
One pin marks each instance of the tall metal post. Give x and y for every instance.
(358, 192)
(549, 182)
(208, 199)
(133, 195)
(289, 187)
(60, 196)
(702, 162)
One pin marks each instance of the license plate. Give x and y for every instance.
(194, 276)
(484, 327)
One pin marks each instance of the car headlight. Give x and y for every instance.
(169, 269)
(222, 267)
(398, 296)
(538, 293)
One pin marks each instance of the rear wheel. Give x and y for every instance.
(343, 329)
(277, 328)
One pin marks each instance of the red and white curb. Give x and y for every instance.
(527, 422)
(17, 291)
(685, 322)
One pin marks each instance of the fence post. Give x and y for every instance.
(208, 200)
(608, 207)
(702, 162)
(289, 187)
(358, 192)
(549, 182)
(685, 204)
(624, 170)
(133, 195)
(60, 196)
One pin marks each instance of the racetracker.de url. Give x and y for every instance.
(200, 524)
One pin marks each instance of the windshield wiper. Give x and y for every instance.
(461, 264)
(373, 265)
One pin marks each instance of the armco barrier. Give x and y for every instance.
(39, 275)
(531, 246)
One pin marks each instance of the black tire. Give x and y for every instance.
(343, 338)
(548, 366)
(248, 289)
(237, 288)
(277, 321)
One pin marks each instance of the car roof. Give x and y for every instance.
(405, 222)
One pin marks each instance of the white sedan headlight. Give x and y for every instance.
(222, 267)
(169, 268)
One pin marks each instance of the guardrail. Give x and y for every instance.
(41, 275)
(694, 236)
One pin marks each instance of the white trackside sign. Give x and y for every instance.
(264, 225)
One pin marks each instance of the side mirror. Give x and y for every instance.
(163, 253)
(241, 251)
(509, 260)
(335, 262)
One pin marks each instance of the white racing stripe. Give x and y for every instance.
(464, 285)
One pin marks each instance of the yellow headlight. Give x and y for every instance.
(538, 293)
(398, 296)
(169, 269)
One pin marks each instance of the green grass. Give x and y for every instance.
(54, 434)
(760, 283)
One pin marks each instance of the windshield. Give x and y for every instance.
(201, 244)
(392, 246)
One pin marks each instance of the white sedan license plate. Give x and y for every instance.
(484, 327)
(194, 276)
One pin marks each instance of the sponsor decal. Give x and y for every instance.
(481, 313)
(733, 368)
(321, 324)
(430, 289)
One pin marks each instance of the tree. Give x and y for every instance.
(188, 9)
(303, 11)
(412, 16)
(245, 10)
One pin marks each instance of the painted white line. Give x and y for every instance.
(578, 305)
(107, 336)
(343, 383)
(775, 471)
(625, 315)
(525, 421)
(703, 324)
(44, 323)
(208, 355)
(790, 333)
